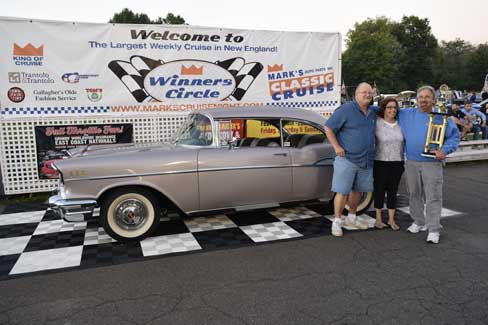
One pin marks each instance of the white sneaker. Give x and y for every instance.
(337, 228)
(414, 228)
(433, 237)
(355, 223)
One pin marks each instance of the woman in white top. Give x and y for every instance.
(388, 161)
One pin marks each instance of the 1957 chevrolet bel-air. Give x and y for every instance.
(245, 158)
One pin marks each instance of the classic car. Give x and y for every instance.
(218, 160)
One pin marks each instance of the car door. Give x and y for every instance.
(312, 159)
(254, 172)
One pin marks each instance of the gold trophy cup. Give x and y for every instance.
(435, 134)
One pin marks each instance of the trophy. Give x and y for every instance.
(435, 134)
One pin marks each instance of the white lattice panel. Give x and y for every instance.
(18, 143)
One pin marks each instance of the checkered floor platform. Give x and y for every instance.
(38, 241)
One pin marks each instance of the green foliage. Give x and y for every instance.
(477, 67)
(450, 64)
(25, 198)
(126, 16)
(419, 47)
(172, 19)
(372, 54)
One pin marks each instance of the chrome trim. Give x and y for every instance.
(316, 164)
(131, 175)
(243, 168)
(72, 210)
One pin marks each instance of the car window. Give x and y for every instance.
(297, 134)
(196, 130)
(250, 132)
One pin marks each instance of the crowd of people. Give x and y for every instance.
(469, 119)
(374, 146)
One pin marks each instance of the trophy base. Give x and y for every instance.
(428, 154)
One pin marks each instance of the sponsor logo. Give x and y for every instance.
(94, 94)
(186, 80)
(16, 94)
(30, 78)
(29, 55)
(42, 95)
(275, 68)
(189, 80)
(14, 77)
(74, 77)
(298, 83)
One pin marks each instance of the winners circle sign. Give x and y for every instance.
(187, 80)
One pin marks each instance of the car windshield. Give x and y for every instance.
(196, 131)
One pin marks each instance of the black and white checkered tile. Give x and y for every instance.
(36, 241)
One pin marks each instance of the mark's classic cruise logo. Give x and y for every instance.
(29, 55)
(186, 80)
(296, 83)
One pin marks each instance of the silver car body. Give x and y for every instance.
(198, 178)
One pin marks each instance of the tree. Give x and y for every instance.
(477, 67)
(126, 16)
(371, 54)
(171, 19)
(419, 48)
(450, 64)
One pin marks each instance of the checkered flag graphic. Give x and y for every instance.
(132, 74)
(244, 73)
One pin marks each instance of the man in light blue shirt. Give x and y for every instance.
(425, 174)
(477, 119)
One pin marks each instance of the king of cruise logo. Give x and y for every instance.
(189, 80)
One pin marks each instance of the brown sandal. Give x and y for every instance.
(394, 226)
(379, 225)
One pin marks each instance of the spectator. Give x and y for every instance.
(477, 119)
(388, 161)
(350, 130)
(472, 99)
(484, 106)
(458, 117)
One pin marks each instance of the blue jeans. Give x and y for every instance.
(476, 129)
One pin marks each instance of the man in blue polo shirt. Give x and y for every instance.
(350, 130)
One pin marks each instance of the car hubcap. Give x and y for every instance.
(131, 214)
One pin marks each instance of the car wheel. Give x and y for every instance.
(364, 203)
(130, 214)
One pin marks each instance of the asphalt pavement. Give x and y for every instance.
(370, 277)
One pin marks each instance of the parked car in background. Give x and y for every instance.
(234, 159)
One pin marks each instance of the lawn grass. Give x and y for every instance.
(24, 198)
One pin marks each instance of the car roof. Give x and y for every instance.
(265, 112)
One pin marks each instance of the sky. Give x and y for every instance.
(448, 19)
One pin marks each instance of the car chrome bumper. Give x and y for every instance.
(72, 210)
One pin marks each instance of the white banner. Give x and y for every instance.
(78, 68)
